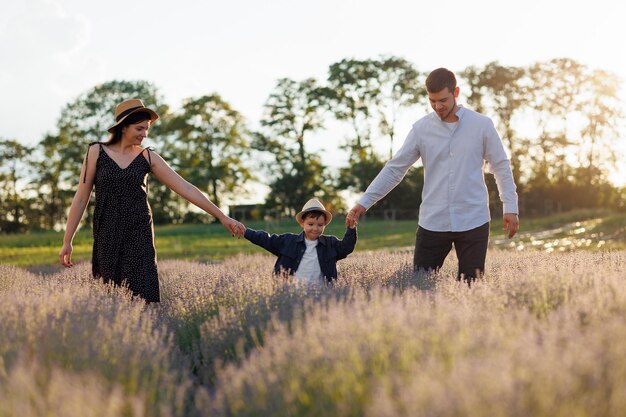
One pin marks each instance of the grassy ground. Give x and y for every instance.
(207, 243)
(198, 242)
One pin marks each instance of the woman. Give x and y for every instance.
(123, 248)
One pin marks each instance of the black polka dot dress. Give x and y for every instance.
(123, 247)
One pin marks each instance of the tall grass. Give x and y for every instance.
(541, 334)
(71, 329)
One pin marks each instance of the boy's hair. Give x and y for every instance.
(439, 79)
(314, 214)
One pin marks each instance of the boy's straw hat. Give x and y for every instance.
(128, 107)
(314, 205)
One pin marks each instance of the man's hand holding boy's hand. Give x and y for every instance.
(352, 219)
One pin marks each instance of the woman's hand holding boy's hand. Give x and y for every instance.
(352, 219)
(234, 227)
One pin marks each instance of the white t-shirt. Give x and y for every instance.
(451, 126)
(309, 269)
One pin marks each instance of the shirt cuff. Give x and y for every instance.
(510, 208)
(366, 201)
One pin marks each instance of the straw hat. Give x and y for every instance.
(314, 205)
(128, 107)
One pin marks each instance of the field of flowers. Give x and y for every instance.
(543, 334)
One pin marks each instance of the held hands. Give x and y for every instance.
(352, 219)
(66, 255)
(510, 222)
(234, 227)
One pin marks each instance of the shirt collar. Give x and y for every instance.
(460, 112)
(321, 239)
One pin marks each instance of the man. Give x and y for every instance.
(454, 143)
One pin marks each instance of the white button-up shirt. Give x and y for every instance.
(455, 196)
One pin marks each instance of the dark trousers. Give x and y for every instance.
(431, 249)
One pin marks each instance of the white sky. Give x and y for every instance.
(51, 51)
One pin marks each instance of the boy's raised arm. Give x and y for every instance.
(271, 243)
(346, 245)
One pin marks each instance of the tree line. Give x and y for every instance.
(559, 120)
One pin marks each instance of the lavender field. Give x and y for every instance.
(544, 334)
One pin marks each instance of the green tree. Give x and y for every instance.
(212, 146)
(564, 92)
(369, 93)
(293, 111)
(12, 202)
(554, 89)
(600, 108)
(403, 201)
(500, 90)
(54, 194)
(399, 88)
(355, 89)
(85, 120)
(575, 112)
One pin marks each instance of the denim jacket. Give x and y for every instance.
(290, 248)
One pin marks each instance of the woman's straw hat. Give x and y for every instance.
(314, 205)
(128, 107)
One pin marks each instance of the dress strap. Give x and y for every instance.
(149, 148)
(87, 158)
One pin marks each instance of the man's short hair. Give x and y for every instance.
(439, 79)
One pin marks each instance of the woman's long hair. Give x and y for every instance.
(134, 118)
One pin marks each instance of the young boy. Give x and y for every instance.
(311, 256)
